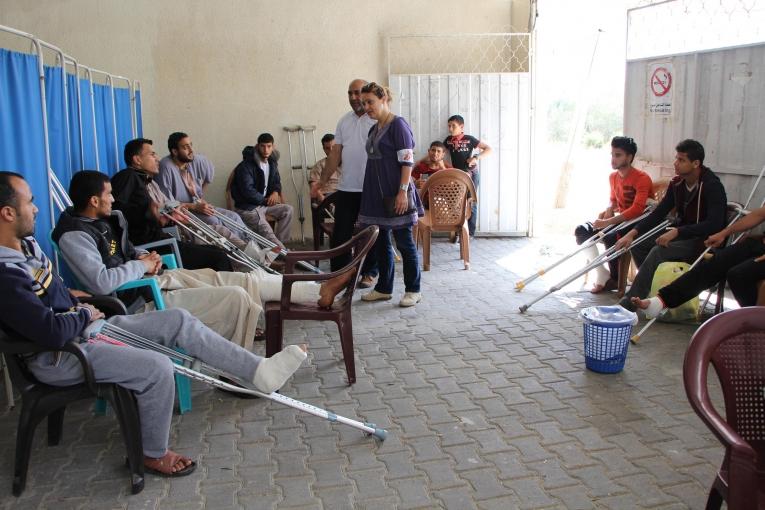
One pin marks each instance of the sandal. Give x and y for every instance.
(163, 466)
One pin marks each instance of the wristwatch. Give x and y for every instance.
(404, 187)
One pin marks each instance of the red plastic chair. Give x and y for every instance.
(277, 312)
(734, 343)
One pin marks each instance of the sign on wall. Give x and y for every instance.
(660, 88)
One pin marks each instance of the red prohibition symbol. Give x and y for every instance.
(661, 81)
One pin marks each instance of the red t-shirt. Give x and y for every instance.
(422, 168)
(629, 195)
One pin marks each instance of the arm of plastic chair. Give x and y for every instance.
(159, 303)
(110, 305)
(172, 242)
(169, 261)
(87, 370)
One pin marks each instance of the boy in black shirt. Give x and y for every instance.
(461, 148)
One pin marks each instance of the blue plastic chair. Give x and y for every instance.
(182, 383)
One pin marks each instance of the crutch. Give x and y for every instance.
(592, 265)
(299, 188)
(742, 211)
(195, 369)
(262, 241)
(519, 286)
(202, 231)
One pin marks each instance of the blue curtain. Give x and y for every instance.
(21, 132)
(75, 159)
(88, 144)
(124, 119)
(138, 114)
(58, 142)
(107, 147)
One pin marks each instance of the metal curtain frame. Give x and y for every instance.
(71, 61)
(134, 106)
(110, 79)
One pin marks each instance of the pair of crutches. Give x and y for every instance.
(596, 238)
(301, 165)
(199, 371)
(742, 211)
(605, 257)
(200, 230)
(262, 241)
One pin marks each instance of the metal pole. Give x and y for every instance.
(79, 108)
(93, 115)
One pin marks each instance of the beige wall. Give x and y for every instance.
(225, 71)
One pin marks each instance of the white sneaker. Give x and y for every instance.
(410, 299)
(375, 296)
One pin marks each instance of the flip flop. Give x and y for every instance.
(169, 474)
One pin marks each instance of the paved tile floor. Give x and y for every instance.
(486, 408)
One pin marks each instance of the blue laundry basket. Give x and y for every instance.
(607, 332)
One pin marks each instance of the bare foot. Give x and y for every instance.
(332, 288)
(608, 286)
(170, 464)
(640, 303)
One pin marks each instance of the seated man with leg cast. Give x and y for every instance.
(630, 190)
(95, 243)
(35, 304)
(698, 200)
(741, 264)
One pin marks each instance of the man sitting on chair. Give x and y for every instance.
(327, 142)
(184, 176)
(95, 243)
(741, 264)
(698, 200)
(35, 304)
(256, 190)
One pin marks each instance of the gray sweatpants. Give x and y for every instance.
(256, 220)
(147, 373)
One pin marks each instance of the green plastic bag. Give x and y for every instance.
(666, 273)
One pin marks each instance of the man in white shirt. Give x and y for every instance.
(350, 150)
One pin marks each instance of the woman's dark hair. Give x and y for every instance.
(693, 149)
(624, 143)
(86, 184)
(133, 148)
(174, 139)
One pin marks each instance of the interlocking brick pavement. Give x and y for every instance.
(486, 408)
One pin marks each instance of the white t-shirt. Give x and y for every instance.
(352, 132)
(266, 171)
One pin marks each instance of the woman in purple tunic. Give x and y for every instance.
(388, 199)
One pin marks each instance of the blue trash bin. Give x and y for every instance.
(607, 332)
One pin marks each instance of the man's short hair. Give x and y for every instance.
(437, 144)
(693, 149)
(174, 139)
(265, 138)
(624, 143)
(86, 184)
(133, 148)
(327, 138)
(458, 119)
(8, 195)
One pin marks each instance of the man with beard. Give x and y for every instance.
(350, 151)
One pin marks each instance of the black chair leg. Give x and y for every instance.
(715, 500)
(55, 426)
(345, 328)
(124, 404)
(24, 436)
(274, 333)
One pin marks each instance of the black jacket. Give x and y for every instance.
(249, 180)
(697, 214)
(132, 198)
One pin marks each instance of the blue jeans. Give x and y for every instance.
(384, 250)
(474, 207)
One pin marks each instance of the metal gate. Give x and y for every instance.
(496, 105)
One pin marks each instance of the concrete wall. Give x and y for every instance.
(718, 98)
(226, 71)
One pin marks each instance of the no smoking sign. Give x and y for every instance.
(660, 85)
(661, 81)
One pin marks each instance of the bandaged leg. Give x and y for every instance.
(600, 273)
(652, 307)
(273, 372)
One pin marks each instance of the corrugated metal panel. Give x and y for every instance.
(719, 100)
(496, 108)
